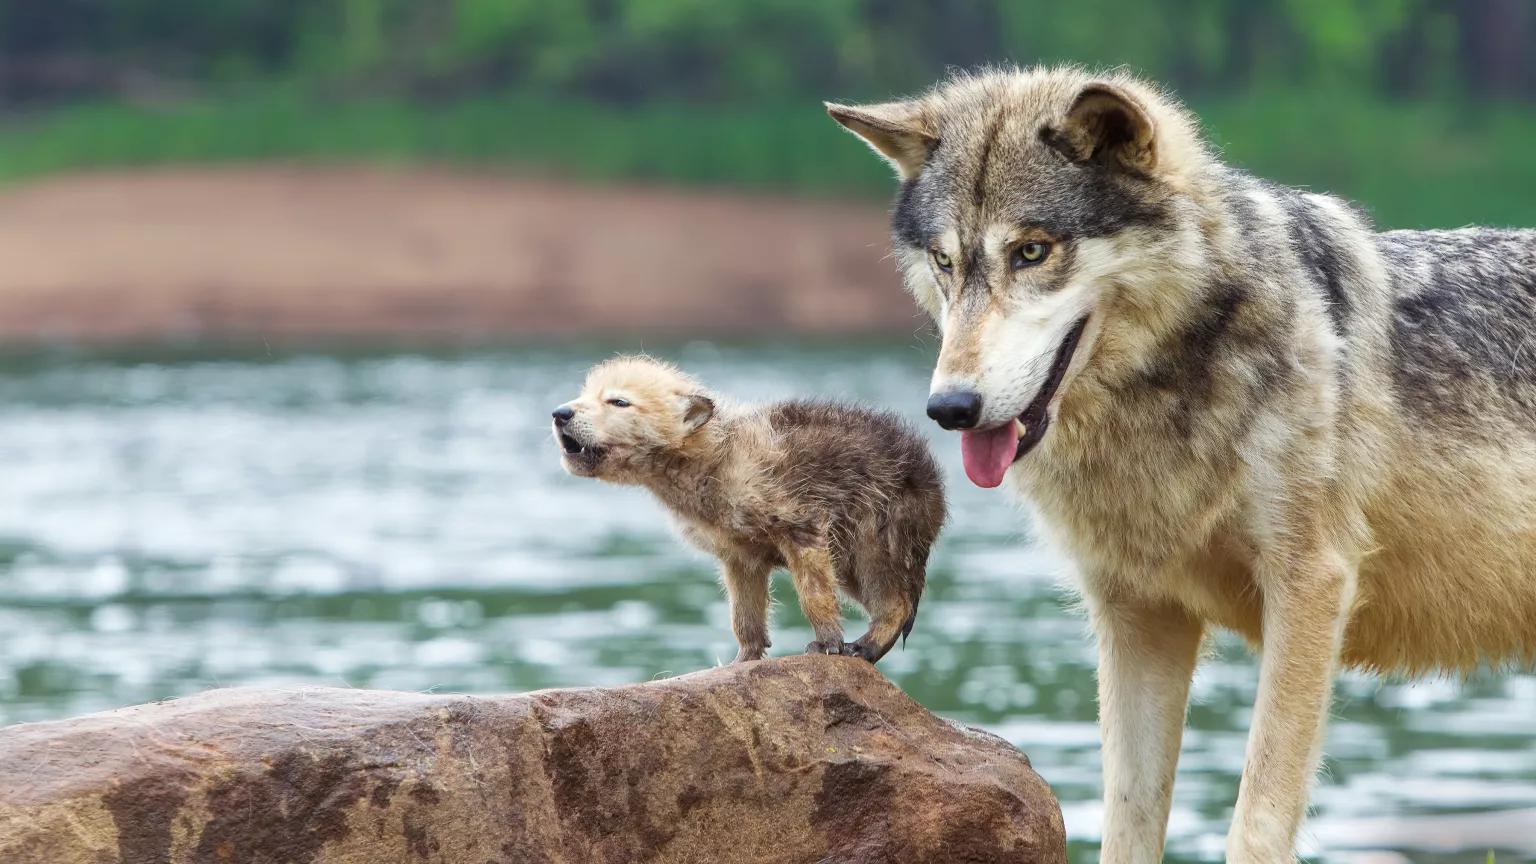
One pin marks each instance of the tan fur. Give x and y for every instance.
(846, 499)
(1262, 468)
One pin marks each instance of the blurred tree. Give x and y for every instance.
(1496, 45)
(718, 50)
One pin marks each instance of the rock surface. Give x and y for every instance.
(801, 759)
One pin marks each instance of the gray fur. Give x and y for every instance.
(1464, 324)
(1278, 421)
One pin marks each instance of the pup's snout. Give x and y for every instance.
(955, 409)
(563, 415)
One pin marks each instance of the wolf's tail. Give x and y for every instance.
(906, 630)
(906, 627)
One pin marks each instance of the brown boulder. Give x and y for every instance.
(802, 759)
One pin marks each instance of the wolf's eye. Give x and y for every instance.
(942, 260)
(1029, 254)
(619, 403)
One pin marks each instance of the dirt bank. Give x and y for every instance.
(305, 253)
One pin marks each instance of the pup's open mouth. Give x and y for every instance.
(989, 453)
(583, 457)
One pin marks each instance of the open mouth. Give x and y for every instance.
(989, 453)
(1036, 418)
(584, 456)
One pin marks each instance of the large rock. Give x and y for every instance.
(803, 759)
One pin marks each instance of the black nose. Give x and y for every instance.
(563, 415)
(955, 409)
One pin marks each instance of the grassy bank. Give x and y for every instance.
(1411, 165)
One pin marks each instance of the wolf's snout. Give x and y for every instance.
(955, 409)
(563, 415)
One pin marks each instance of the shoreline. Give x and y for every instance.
(430, 256)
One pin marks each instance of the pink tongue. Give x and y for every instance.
(988, 454)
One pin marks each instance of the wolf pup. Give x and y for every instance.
(1234, 403)
(842, 496)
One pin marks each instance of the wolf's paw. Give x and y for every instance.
(844, 649)
(829, 647)
(861, 649)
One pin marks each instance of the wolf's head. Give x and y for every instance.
(632, 415)
(1039, 216)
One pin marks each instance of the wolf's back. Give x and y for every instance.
(1463, 328)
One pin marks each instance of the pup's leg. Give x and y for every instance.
(1306, 601)
(746, 586)
(1147, 656)
(815, 577)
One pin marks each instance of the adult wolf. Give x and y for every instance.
(1233, 403)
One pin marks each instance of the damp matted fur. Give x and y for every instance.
(845, 497)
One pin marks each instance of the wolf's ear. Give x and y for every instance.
(1107, 125)
(899, 131)
(697, 409)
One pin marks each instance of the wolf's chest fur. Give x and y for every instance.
(731, 532)
(1171, 527)
(1418, 430)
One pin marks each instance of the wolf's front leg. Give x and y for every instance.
(1147, 655)
(746, 586)
(1306, 604)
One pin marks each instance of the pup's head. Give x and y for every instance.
(1039, 212)
(631, 411)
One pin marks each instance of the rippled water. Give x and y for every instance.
(170, 523)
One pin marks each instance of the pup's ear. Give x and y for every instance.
(697, 409)
(898, 131)
(1107, 125)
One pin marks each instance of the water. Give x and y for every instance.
(171, 523)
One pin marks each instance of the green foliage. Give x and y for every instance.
(1417, 165)
(724, 50)
(1348, 95)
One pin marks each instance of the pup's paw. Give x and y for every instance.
(838, 647)
(861, 649)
